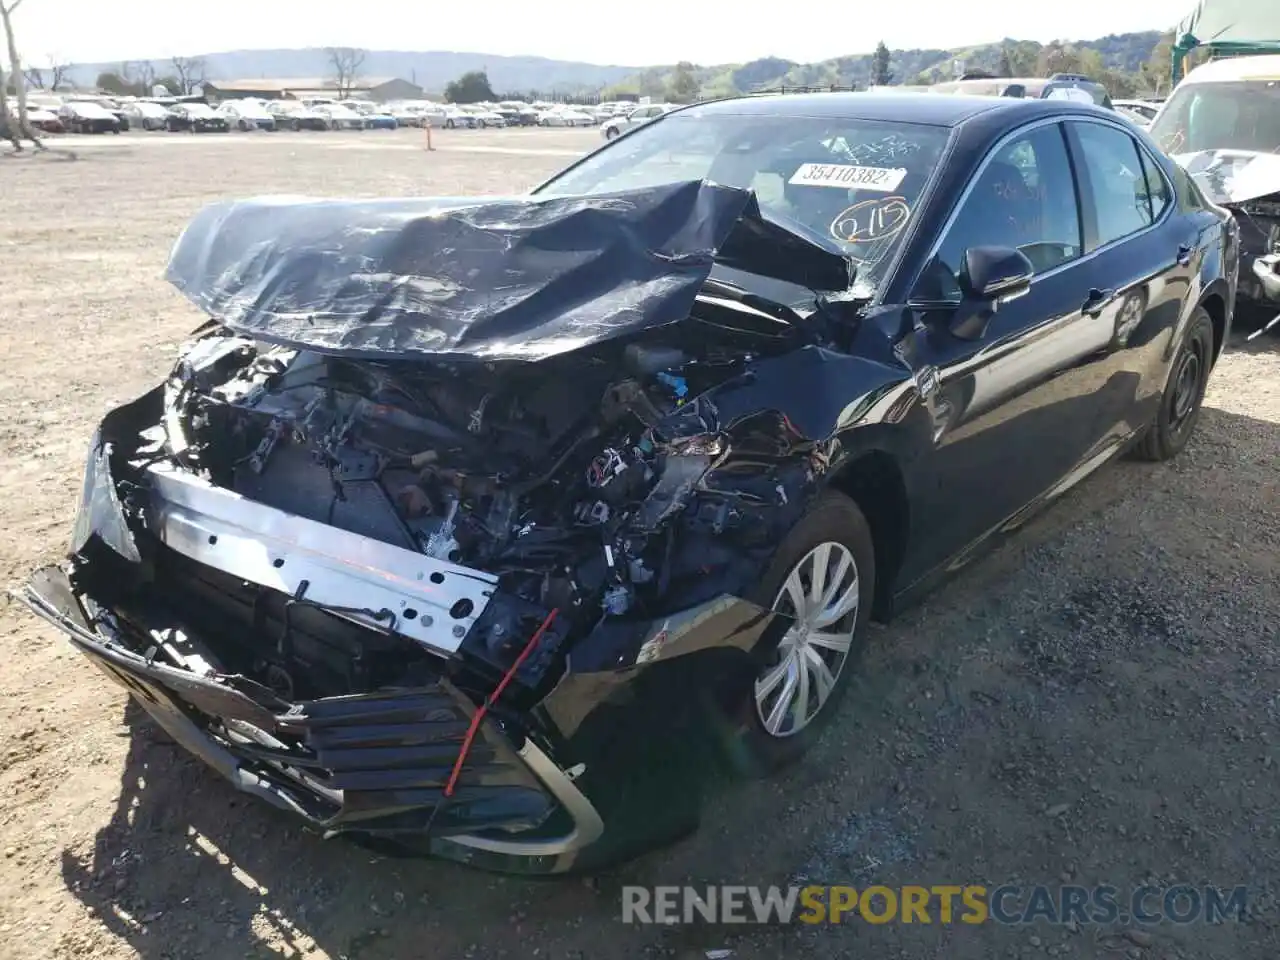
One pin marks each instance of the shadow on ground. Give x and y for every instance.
(1094, 703)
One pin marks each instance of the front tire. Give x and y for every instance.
(1183, 393)
(824, 575)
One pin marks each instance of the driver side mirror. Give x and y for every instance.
(990, 276)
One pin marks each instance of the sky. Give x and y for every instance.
(657, 31)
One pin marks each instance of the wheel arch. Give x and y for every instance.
(874, 479)
(1214, 303)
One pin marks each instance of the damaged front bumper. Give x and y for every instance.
(372, 764)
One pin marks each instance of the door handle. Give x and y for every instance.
(1185, 252)
(1096, 302)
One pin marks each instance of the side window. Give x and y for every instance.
(1189, 197)
(1024, 197)
(1112, 164)
(1155, 186)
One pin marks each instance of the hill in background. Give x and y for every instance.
(1122, 57)
(1126, 59)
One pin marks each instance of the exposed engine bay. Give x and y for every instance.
(560, 479)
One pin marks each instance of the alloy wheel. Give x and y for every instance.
(822, 594)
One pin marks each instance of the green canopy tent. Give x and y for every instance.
(1227, 27)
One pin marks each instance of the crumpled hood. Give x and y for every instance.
(1233, 176)
(511, 278)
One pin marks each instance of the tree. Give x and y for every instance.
(55, 74)
(684, 86)
(344, 65)
(189, 71)
(471, 87)
(1157, 72)
(146, 78)
(1058, 57)
(1006, 62)
(111, 82)
(881, 75)
(22, 130)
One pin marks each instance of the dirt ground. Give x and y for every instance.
(1095, 703)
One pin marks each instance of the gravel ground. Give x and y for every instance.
(1094, 703)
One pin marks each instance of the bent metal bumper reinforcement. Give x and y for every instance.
(372, 763)
(370, 582)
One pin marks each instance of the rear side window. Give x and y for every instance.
(1114, 167)
(1157, 188)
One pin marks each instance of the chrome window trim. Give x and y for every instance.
(1017, 134)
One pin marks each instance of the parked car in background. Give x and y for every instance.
(40, 117)
(195, 118)
(517, 114)
(108, 104)
(112, 106)
(294, 115)
(1133, 116)
(456, 117)
(374, 116)
(406, 114)
(247, 115)
(86, 116)
(432, 113)
(1142, 109)
(620, 124)
(145, 115)
(483, 116)
(1222, 125)
(613, 108)
(566, 115)
(338, 116)
(1060, 86)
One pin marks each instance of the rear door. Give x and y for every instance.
(1142, 253)
(1016, 412)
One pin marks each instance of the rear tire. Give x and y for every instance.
(833, 540)
(1183, 394)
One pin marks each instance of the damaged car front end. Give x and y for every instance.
(445, 513)
(1220, 126)
(1248, 184)
(490, 527)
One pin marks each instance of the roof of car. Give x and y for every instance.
(1258, 67)
(938, 109)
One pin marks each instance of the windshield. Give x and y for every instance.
(1240, 115)
(853, 181)
(199, 110)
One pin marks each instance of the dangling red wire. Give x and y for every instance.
(492, 699)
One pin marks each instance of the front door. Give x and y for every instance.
(1016, 410)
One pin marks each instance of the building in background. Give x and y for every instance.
(297, 88)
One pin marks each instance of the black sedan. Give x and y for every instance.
(569, 495)
(195, 118)
(84, 116)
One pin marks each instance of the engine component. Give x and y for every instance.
(478, 465)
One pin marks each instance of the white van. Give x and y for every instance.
(1222, 124)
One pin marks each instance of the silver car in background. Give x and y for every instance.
(618, 125)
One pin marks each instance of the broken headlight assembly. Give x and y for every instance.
(100, 513)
